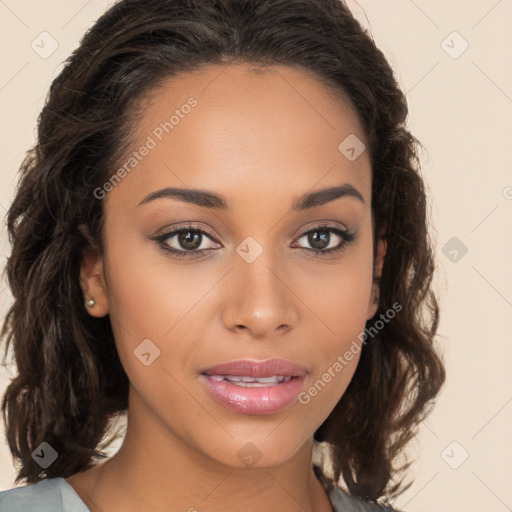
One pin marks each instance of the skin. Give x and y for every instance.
(261, 139)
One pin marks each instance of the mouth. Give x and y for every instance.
(255, 387)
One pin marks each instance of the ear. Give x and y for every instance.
(377, 272)
(93, 283)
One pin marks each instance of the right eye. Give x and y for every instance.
(187, 241)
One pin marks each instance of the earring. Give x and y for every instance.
(90, 303)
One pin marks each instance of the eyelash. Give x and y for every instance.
(347, 237)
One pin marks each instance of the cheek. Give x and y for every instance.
(340, 293)
(147, 301)
(148, 292)
(341, 305)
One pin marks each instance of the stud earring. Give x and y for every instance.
(90, 303)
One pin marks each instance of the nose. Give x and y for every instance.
(259, 299)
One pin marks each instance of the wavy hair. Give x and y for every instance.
(70, 382)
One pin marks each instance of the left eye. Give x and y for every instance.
(321, 240)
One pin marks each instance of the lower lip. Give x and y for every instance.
(257, 400)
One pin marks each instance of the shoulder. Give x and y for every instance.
(342, 502)
(51, 495)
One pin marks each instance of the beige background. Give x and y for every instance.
(461, 110)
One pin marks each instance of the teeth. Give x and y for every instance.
(253, 382)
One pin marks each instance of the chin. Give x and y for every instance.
(257, 451)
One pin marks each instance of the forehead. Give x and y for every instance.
(232, 127)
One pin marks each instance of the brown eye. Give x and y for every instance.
(187, 241)
(326, 239)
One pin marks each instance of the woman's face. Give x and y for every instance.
(245, 282)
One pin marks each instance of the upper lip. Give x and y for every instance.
(254, 368)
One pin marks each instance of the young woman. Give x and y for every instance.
(221, 231)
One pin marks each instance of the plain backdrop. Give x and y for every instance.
(454, 61)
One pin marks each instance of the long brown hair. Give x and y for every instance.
(70, 381)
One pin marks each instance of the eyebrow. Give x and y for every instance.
(211, 200)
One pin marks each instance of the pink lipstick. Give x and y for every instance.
(255, 387)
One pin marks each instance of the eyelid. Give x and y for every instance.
(187, 225)
(325, 224)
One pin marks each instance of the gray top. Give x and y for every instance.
(51, 495)
(56, 495)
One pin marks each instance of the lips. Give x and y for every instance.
(252, 368)
(255, 387)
